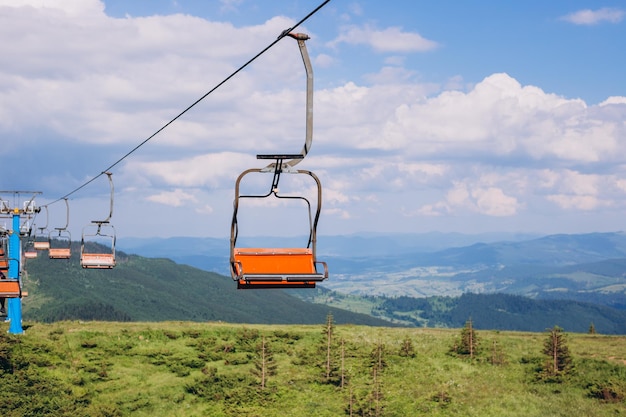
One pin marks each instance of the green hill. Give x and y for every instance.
(142, 289)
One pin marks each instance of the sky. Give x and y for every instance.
(450, 116)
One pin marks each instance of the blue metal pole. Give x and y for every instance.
(15, 256)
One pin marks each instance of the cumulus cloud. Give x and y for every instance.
(175, 198)
(210, 170)
(466, 195)
(120, 79)
(500, 117)
(593, 17)
(392, 39)
(74, 93)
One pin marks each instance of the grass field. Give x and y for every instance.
(210, 369)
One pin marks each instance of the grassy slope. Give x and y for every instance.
(198, 369)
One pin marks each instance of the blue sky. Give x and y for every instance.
(446, 116)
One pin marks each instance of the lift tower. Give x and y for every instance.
(11, 285)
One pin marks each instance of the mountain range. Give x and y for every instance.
(583, 267)
(527, 284)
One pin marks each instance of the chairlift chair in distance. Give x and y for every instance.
(28, 231)
(97, 235)
(40, 240)
(60, 239)
(29, 250)
(261, 267)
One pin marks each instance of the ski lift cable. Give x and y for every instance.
(224, 81)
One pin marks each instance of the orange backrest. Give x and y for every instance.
(275, 261)
(9, 288)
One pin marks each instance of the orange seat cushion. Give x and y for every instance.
(9, 288)
(275, 261)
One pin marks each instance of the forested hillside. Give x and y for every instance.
(586, 267)
(142, 289)
(158, 289)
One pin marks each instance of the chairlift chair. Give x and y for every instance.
(60, 239)
(261, 267)
(60, 244)
(97, 235)
(40, 240)
(29, 250)
(277, 267)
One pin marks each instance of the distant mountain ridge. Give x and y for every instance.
(142, 289)
(158, 289)
(583, 267)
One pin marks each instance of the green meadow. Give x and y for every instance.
(221, 369)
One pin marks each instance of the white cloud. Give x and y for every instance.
(324, 61)
(493, 201)
(392, 39)
(175, 198)
(579, 202)
(613, 100)
(230, 5)
(81, 8)
(210, 170)
(593, 17)
(115, 79)
(500, 117)
(473, 197)
(390, 75)
(75, 91)
(206, 209)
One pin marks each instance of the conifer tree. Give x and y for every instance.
(559, 360)
(328, 332)
(592, 328)
(330, 365)
(377, 357)
(468, 343)
(407, 349)
(264, 365)
(497, 355)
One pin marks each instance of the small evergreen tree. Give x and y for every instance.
(343, 363)
(369, 403)
(407, 349)
(592, 328)
(377, 358)
(559, 361)
(468, 343)
(497, 355)
(330, 365)
(264, 365)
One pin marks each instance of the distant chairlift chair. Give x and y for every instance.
(97, 235)
(60, 244)
(40, 240)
